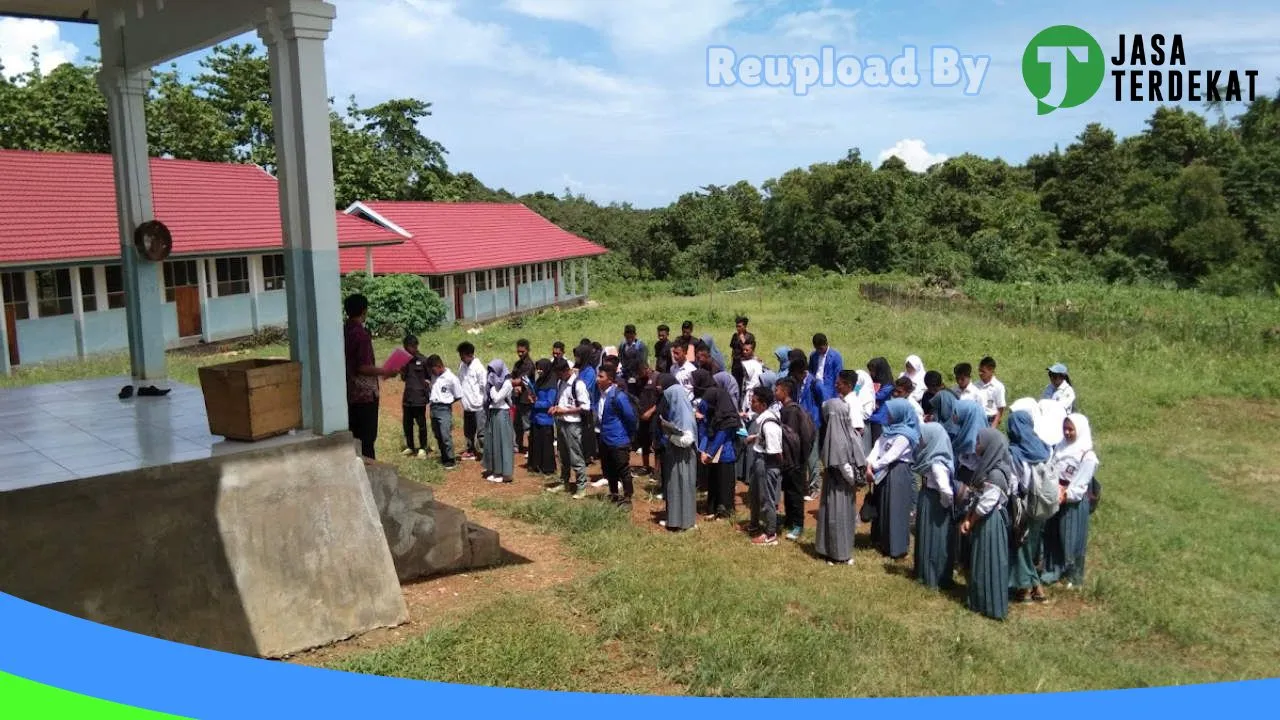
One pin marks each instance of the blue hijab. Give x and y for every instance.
(935, 446)
(902, 420)
(1026, 446)
(715, 352)
(783, 354)
(943, 408)
(969, 420)
(679, 410)
(729, 386)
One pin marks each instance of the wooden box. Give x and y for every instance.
(254, 399)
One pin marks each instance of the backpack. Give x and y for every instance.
(1095, 494)
(1042, 492)
(792, 457)
(804, 437)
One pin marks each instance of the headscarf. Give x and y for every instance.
(943, 407)
(1052, 414)
(1024, 444)
(934, 447)
(666, 380)
(880, 371)
(678, 410)
(768, 379)
(1075, 451)
(797, 364)
(994, 456)
(726, 383)
(783, 353)
(838, 447)
(498, 373)
(916, 376)
(702, 382)
(902, 420)
(969, 420)
(721, 411)
(546, 378)
(715, 351)
(865, 393)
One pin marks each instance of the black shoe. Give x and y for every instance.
(126, 392)
(152, 391)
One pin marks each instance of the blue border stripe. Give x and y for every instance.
(83, 657)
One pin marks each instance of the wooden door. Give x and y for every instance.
(187, 300)
(459, 292)
(11, 330)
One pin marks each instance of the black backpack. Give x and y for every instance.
(793, 456)
(805, 435)
(1095, 494)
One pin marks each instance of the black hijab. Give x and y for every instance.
(703, 381)
(722, 414)
(545, 378)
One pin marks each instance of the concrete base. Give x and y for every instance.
(426, 537)
(266, 552)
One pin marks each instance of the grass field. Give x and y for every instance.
(1183, 582)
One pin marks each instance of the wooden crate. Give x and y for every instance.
(252, 399)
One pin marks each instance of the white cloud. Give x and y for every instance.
(826, 25)
(913, 153)
(640, 26)
(19, 35)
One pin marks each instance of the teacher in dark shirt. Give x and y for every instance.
(362, 375)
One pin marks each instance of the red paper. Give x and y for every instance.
(398, 359)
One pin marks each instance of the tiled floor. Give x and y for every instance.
(63, 431)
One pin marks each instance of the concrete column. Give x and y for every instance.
(126, 94)
(33, 297)
(255, 289)
(368, 261)
(294, 32)
(77, 309)
(100, 286)
(586, 280)
(202, 277)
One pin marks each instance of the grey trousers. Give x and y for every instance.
(569, 441)
(442, 428)
(764, 493)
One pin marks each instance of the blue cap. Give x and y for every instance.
(1058, 369)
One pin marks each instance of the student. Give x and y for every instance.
(810, 394)
(362, 376)
(967, 421)
(882, 385)
(717, 447)
(557, 352)
(499, 440)
(993, 401)
(686, 338)
(446, 390)
(794, 477)
(765, 488)
(679, 462)
(932, 461)
(417, 395)
(741, 337)
(584, 354)
(783, 354)
(862, 403)
(472, 375)
(617, 421)
(573, 403)
(751, 371)
(933, 384)
(889, 472)
(842, 460)
(904, 389)
(709, 357)
(542, 451)
(825, 365)
(647, 400)
(682, 369)
(1027, 451)
(662, 351)
(522, 395)
(965, 388)
(1066, 535)
(1060, 389)
(915, 372)
(847, 388)
(632, 353)
(987, 527)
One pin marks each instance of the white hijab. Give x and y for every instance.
(916, 375)
(865, 391)
(1049, 421)
(1083, 444)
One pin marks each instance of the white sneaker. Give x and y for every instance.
(406, 452)
(422, 454)
(600, 483)
(494, 478)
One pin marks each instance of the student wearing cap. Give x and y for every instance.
(1059, 388)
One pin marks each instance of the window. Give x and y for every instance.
(88, 298)
(436, 283)
(500, 278)
(482, 281)
(537, 273)
(115, 286)
(53, 292)
(233, 276)
(15, 294)
(272, 272)
(177, 273)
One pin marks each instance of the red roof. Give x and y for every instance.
(460, 237)
(62, 206)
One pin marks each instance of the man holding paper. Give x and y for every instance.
(362, 375)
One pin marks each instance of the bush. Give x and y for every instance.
(685, 287)
(266, 337)
(356, 283)
(402, 304)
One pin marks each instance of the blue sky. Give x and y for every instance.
(609, 98)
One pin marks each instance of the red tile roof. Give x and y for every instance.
(62, 206)
(459, 237)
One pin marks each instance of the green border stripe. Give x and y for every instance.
(21, 699)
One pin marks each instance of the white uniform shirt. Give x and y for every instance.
(992, 395)
(769, 434)
(445, 389)
(474, 377)
(1065, 395)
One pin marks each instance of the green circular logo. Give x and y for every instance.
(1063, 67)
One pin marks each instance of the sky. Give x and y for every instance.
(610, 98)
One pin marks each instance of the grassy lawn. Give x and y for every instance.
(1183, 582)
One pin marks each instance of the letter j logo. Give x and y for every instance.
(1063, 67)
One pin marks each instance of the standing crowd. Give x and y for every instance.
(1010, 510)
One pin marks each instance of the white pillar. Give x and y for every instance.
(100, 287)
(202, 277)
(448, 297)
(77, 309)
(294, 33)
(33, 297)
(586, 279)
(255, 289)
(126, 94)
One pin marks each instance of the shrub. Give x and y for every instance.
(685, 287)
(402, 304)
(355, 283)
(266, 337)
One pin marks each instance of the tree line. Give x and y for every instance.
(1191, 201)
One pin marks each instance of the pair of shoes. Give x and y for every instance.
(422, 454)
(495, 479)
(763, 540)
(795, 533)
(845, 562)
